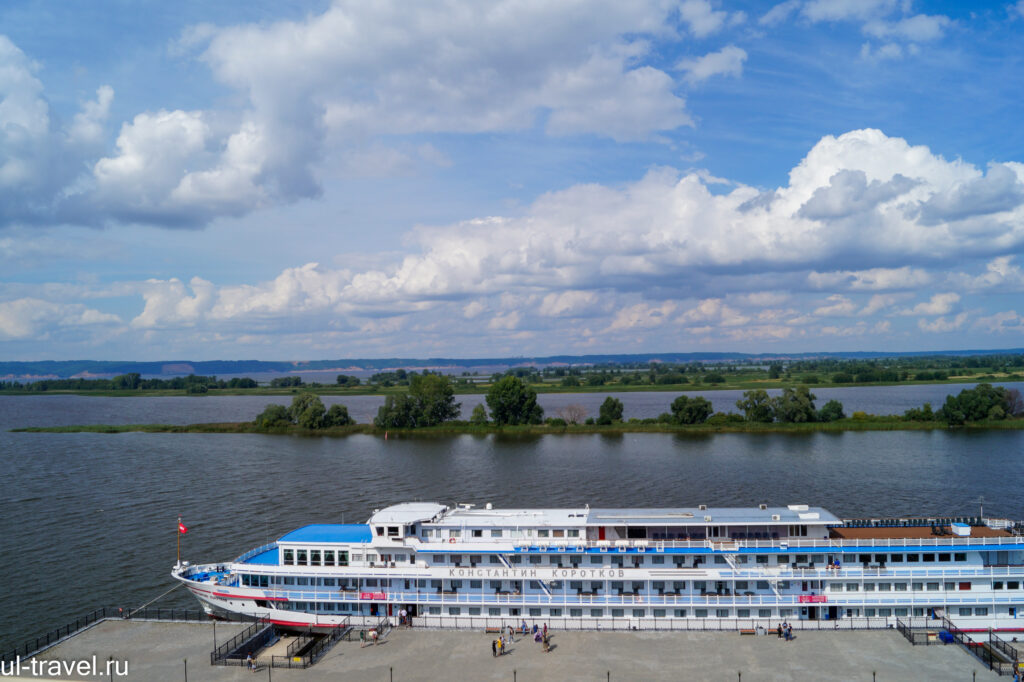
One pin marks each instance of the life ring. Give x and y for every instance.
(451, 541)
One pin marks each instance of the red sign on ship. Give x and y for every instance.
(372, 595)
(813, 599)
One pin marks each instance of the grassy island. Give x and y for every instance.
(429, 407)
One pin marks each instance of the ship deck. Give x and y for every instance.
(910, 532)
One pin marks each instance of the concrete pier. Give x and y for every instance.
(157, 651)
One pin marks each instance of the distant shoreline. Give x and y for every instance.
(872, 423)
(481, 389)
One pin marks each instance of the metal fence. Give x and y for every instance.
(655, 624)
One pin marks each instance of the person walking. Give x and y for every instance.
(501, 647)
(494, 648)
(511, 634)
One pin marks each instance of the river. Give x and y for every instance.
(89, 520)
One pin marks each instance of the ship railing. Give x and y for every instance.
(309, 648)
(721, 544)
(625, 622)
(984, 652)
(253, 552)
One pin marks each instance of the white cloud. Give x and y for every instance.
(838, 306)
(1017, 9)
(942, 324)
(642, 316)
(87, 126)
(702, 19)
(779, 13)
(505, 321)
(873, 279)
(880, 302)
(939, 304)
(918, 28)
(1000, 273)
(664, 230)
(841, 10)
(727, 62)
(1008, 321)
(28, 318)
(887, 51)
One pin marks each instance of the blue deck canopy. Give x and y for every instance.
(329, 532)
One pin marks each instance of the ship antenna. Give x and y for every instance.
(981, 507)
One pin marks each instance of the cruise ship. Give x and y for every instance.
(682, 568)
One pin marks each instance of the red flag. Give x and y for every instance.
(181, 528)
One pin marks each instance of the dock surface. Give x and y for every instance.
(158, 650)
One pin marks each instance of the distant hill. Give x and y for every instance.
(63, 369)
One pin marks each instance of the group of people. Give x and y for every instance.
(404, 619)
(250, 663)
(500, 645)
(785, 631)
(370, 637)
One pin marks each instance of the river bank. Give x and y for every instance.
(465, 428)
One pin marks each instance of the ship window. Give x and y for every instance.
(900, 587)
(720, 559)
(639, 613)
(558, 533)
(960, 556)
(885, 613)
(392, 531)
(965, 585)
(949, 586)
(743, 613)
(1013, 585)
(474, 610)
(870, 613)
(542, 533)
(658, 560)
(762, 584)
(659, 613)
(478, 532)
(722, 613)
(801, 558)
(289, 580)
(912, 558)
(494, 611)
(301, 557)
(896, 558)
(927, 557)
(852, 587)
(302, 581)
(328, 582)
(453, 533)
(981, 611)
(497, 533)
(917, 587)
(573, 532)
(918, 611)
(289, 557)
(836, 587)
(944, 557)
(342, 558)
(494, 559)
(884, 587)
(535, 559)
(596, 613)
(328, 557)
(869, 587)
(476, 584)
(933, 587)
(516, 559)
(901, 612)
(439, 558)
(435, 610)
(764, 613)
(742, 585)
(380, 530)
(700, 613)
(680, 613)
(997, 585)
(596, 560)
(618, 613)
(314, 557)
(965, 611)
(762, 558)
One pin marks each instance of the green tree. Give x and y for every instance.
(920, 414)
(128, 381)
(757, 406)
(795, 405)
(513, 402)
(479, 416)
(307, 410)
(273, 415)
(687, 410)
(774, 371)
(337, 415)
(975, 405)
(610, 411)
(347, 380)
(434, 399)
(714, 378)
(831, 411)
(397, 412)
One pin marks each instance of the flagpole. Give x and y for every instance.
(177, 536)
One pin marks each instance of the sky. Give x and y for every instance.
(314, 179)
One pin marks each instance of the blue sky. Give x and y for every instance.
(318, 180)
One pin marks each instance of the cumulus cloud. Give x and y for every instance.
(939, 304)
(34, 318)
(942, 325)
(1007, 321)
(331, 83)
(917, 28)
(726, 62)
(840, 10)
(853, 198)
(779, 13)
